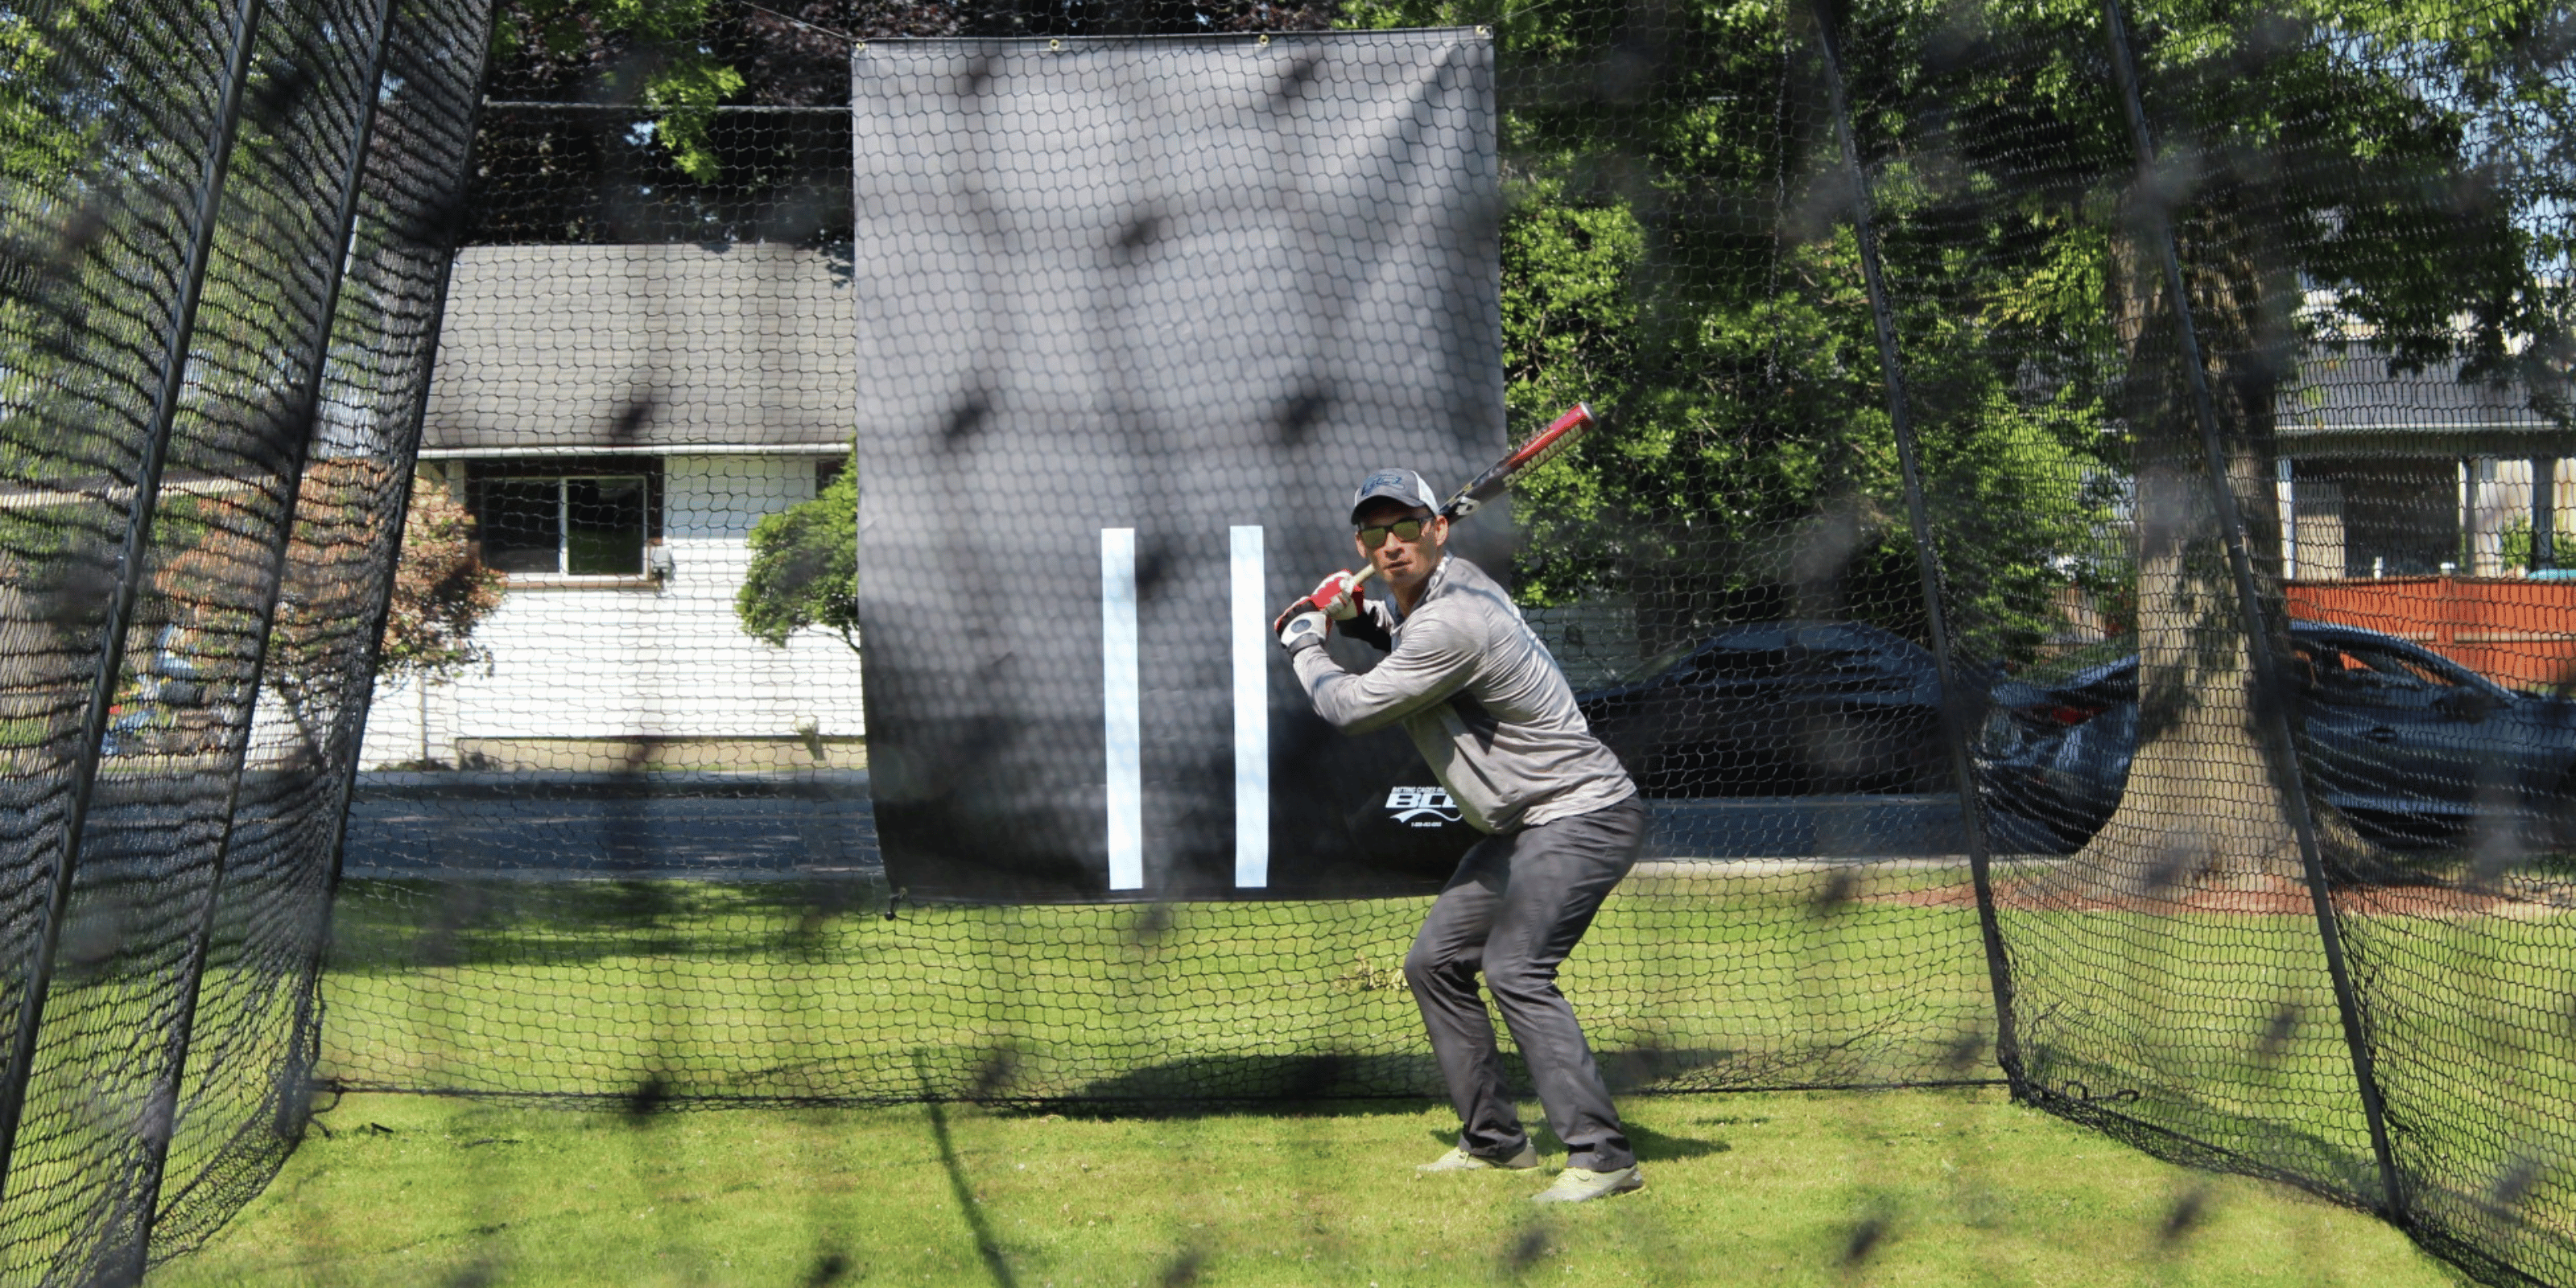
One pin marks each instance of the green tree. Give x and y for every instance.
(685, 57)
(1672, 253)
(2324, 173)
(57, 204)
(1677, 246)
(43, 131)
(805, 568)
(649, 52)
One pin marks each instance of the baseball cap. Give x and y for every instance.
(1402, 486)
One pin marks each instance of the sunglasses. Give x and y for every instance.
(1407, 531)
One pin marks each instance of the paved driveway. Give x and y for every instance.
(760, 826)
(771, 826)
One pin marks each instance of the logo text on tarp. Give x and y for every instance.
(1422, 806)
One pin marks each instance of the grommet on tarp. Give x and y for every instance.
(858, 46)
(1055, 44)
(1484, 31)
(1265, 40)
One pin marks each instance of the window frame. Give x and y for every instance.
(562, 470)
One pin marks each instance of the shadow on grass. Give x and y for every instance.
(404, 925)
(1658, 1147)
(1219, 1086)
(1336, 1084)
(986, 1245)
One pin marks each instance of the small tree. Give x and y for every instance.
(805, 568)
(441, 592)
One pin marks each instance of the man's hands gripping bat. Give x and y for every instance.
(1304, 624)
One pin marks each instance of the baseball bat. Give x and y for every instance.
(1490, 484)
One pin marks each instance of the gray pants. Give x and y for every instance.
(1516, 907)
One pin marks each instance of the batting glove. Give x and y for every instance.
(1338, 595)
(1302, 626)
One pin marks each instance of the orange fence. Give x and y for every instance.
(2519, 633)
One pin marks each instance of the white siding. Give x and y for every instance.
(669, 662)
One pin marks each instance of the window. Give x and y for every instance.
(572, 518)
(2369, 676)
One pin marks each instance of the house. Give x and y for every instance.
(2430, 508)
(617, 418)
(2384, 475)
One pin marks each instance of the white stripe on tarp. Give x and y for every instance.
(1121, 720)
(1251, 714)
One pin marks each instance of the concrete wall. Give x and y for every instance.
(2519, 632)
(635, 659)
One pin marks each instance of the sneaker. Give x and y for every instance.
(1582, 1184)
(1459, 1160)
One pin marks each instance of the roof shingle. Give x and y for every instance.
(644, 348)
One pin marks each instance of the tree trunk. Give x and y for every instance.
(2202, 801)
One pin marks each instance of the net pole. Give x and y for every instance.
(1954, 725)
(163, 1111)
(128, 588)
(2271, 719)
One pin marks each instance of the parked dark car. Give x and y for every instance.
(2408, 744)
(1779, 709)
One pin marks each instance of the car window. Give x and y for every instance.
(1743, 663)
(2402, 666)
(2371, 676)
(1654, 667)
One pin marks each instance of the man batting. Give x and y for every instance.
(1495, 718)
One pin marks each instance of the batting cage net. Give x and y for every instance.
(758, 588)
(225, 226)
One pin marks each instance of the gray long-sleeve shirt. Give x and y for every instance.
(1482, 699)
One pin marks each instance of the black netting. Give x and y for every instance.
(2071, 555)
(2310, 740)
(210, 394)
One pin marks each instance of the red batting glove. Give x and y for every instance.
(1338, 595)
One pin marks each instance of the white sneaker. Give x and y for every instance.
(1459, 1160)
(1582, 1185)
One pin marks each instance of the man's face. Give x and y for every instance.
(1403, 564)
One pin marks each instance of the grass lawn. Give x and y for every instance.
(1919, 1187)
(2216, 1026)
(787, 991)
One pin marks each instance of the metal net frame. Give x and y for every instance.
(2068, 558)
